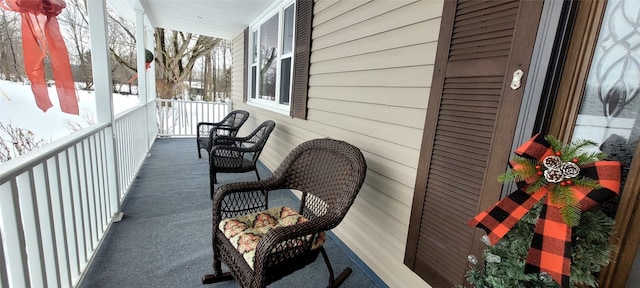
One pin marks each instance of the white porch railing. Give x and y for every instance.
(180, 117)
(133, 141)
(57, 202)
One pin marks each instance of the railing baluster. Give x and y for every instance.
(88, 187)
(83, 191)
(68, 213)
(4, 274)
(57, 214)
(11, 224)
(43, 192)
(32, 233)
(77, 208)
(102, 177)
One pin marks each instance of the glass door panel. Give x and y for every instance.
(610, 110)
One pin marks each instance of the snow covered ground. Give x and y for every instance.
(18, 107)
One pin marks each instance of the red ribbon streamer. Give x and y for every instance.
(41, 35)
(147, 65)
(550, 249)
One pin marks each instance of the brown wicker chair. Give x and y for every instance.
(238, 154)
(329, 173)
(229, 126)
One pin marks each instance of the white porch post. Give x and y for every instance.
(100, 58)
(152, 108)
(142, 66)
(140, 50)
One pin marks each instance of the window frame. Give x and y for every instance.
(278, 8)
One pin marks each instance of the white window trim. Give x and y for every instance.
(275, 8)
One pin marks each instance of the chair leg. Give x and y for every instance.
(335, 282)
(212, 181)
(217, 275)
(257, 175)
(212, 187)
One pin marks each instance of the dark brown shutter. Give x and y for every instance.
(304, 17)
(245, 69)
(471, 117)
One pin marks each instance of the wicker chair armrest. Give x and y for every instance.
(228, 138)
(210, 126)
(232, 148)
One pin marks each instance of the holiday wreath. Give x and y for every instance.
(566, 181)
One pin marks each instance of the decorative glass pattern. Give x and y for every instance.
(611, 105)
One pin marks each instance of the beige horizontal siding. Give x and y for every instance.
(237, 54)
(337, 9)
(418, 76)
(382, 113)
(407, 15)
(345, 19)
(387, 58)
(410, 97)
(422, 32)
(370, 77)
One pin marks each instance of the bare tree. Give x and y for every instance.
(87, 120)
(15, 141)
(176, 55)
(10, 46)
(75, 24)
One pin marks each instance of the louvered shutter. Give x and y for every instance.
(470, 122)
(304, 17)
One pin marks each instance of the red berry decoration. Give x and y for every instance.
(569, 182)
(563, 183)
(538, 167)
(558, 153)
(575, 160)
(540, 173)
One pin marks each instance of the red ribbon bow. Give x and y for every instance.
(41, 34)
(550, 249)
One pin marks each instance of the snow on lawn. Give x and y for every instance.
(18, 107)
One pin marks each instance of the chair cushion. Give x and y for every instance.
(244, 232)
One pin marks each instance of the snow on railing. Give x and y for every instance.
(57, 202)
(180, 117)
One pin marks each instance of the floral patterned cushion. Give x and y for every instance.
(244, 232)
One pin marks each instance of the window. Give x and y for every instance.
(271, 58)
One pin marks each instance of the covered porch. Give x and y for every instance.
(164, 237)
(121, 204)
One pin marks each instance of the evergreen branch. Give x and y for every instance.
(567, 203)
(537, 185)
(508, 176)
(590, 157)
(526, 170)
(574, 148)
(586, 182)
(555, 144)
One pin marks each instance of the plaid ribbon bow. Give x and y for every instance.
(550, 249)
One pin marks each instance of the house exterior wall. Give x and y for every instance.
(370, 73)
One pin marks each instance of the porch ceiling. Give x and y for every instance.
(218, 18)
